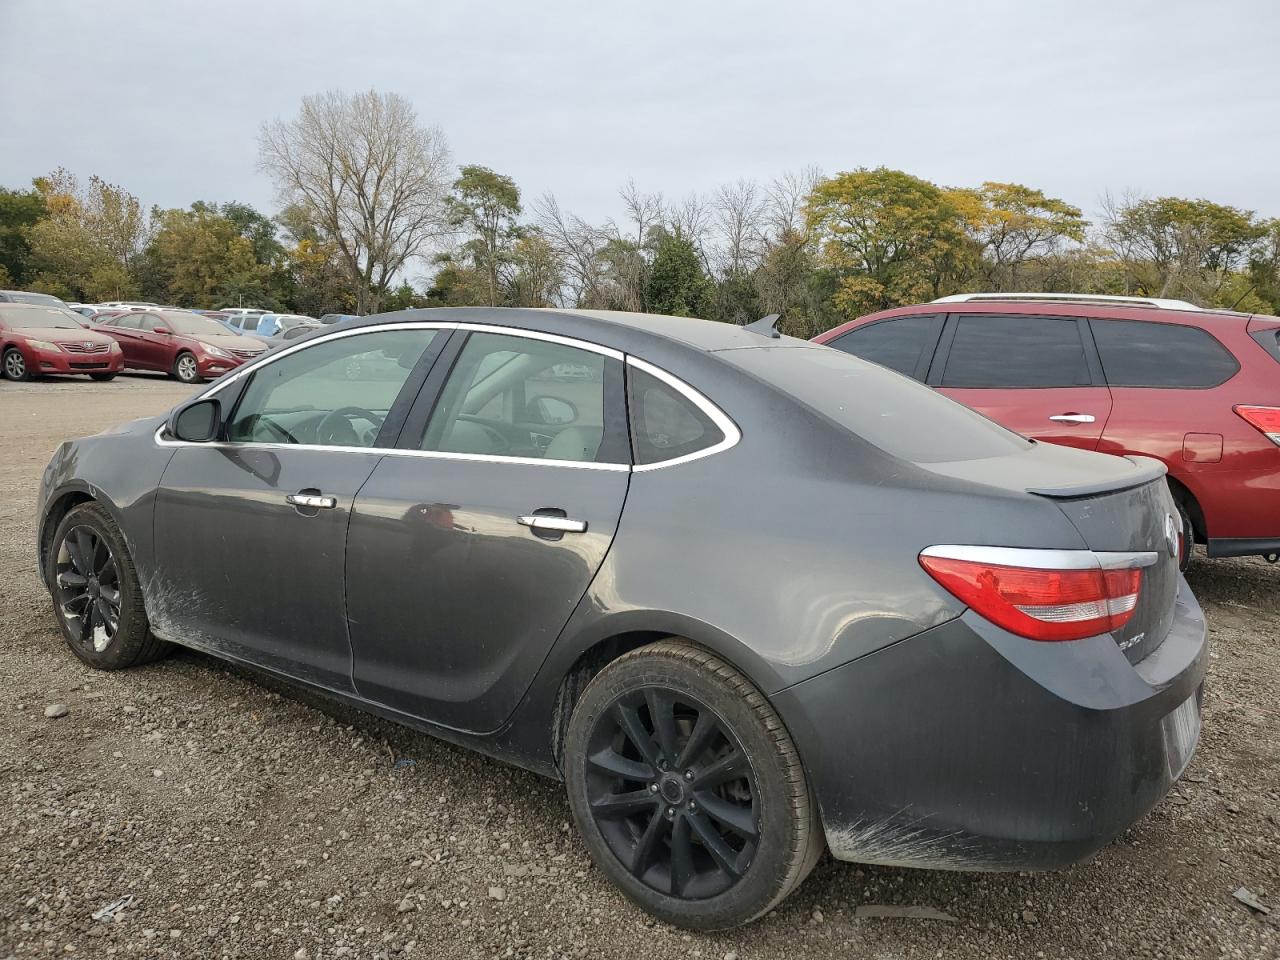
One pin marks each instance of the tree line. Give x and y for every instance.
(368, 194)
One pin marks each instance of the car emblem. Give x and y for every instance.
(1171, 530)
(88, 344)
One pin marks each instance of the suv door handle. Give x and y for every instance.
(553, 524)
(312, 500)
(1073, 418)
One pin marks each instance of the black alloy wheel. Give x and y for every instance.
(673, 793)
(87, 588)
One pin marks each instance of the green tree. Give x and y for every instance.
(198, 258)
(538, 275)
(888, 238)
(19, 211)
(677, 284)
(1014, 226)
(485, 206)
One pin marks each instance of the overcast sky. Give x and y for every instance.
(166, 97)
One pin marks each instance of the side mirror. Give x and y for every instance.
(197, 422)
(552, 411)
(159, 329)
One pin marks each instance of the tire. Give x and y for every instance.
(14, 365)
(185, 368)
(640, 797)
(91, 637)
(102, 377)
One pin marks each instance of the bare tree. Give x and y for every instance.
(644, 211)
(786, 199)
(739, 212)
(371, 178)
(578, 245)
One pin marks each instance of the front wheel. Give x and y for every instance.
(688, 790)
(15, 365)
(96, 593)
(1187, 543)
(102, 377)
(186, 369)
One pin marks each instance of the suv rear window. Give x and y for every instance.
(1016, 350)
(903, 418)
(1140, 353)
(896, 344)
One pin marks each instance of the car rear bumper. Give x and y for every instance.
(968, 748)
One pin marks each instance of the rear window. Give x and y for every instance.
(1270, 340)
(1014, 350)
(1139, 353)
(903, 418)
(897, 344)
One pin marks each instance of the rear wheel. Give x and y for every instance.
(15, 365)
(688, 790)
(96, 593)
(186, 369)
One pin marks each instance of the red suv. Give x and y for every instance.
(1197, 389)
(36, 339)
(183, 344)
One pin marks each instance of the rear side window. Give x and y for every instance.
(1138, 353)
(1014, 350)
(1269, 337)
(897, 344)
(665, 424)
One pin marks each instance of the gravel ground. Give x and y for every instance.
(245, 820)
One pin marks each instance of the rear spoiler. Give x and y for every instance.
(1145, 469)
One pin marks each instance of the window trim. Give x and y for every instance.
(717, 416)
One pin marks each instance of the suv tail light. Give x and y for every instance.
(1264, 419)
(1042, 594)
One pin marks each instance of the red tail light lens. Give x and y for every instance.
(1041, 603)
(1264, 419)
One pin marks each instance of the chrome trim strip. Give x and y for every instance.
(539, 335)
(1044, 559)
(717, 416)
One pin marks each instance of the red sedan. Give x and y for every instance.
(37, 339)
(1197, 389)
(182, 344)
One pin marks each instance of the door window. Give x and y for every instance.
(510, 396)
(335, 393)
(896, 344)
(1137, 353)
(1014, 350)
(665, 424)
(129, 322)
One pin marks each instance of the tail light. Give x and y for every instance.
(1042, 594)
(1264, 419)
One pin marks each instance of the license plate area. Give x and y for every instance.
(1181, 729)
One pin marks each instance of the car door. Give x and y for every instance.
(250, 531)
(468, 552)
(125, 330)
(1034, 374)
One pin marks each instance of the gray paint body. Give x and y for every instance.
(792, 554)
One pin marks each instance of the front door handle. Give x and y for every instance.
(313, 500)
(1073, 418)
(552, 524)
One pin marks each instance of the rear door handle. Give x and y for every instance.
(313, 500)
(554, 524)
(1073, 418)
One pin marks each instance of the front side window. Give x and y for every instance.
(335, 393)
(1137, 353)
(897, 344)
(511, 396)
(129, 322)
(1014, 350)
(665, 424)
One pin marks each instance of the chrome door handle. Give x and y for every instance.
(555, 524)
(314, 501)
(1073, 418)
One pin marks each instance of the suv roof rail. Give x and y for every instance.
(1158, 302)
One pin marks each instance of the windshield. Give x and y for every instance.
(22, 296)
(895, 413)
(46, 318)
(194, 324)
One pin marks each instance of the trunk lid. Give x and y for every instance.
(1116, 504)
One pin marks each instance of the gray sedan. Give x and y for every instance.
(749, 597)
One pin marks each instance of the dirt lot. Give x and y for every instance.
(247, 823)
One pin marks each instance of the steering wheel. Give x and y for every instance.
(337, 428)
(249, 426)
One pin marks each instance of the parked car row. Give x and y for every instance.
(750, 598)
(1197, 389)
